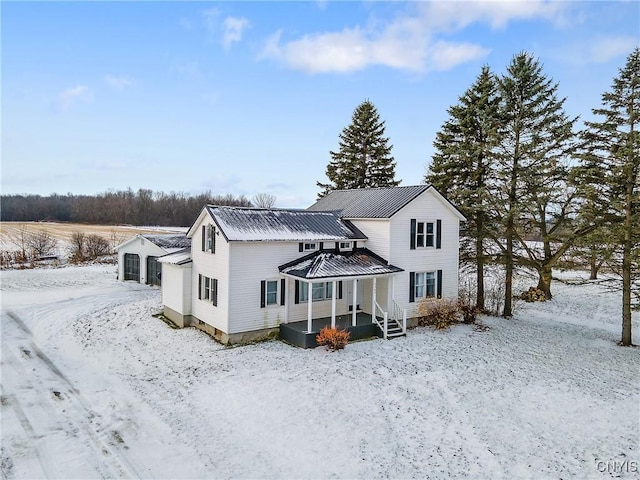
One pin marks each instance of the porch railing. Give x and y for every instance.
(385, 320)
(399, 315)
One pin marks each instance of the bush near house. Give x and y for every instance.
(440, 313)
(332, 338)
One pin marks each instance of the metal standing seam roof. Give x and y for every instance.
(181, 257)
(261, 224)
(358, 263)
(382, 202)
(168, 241)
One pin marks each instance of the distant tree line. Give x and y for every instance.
(120, 207)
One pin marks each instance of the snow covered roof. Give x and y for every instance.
(381, 202)
(168, 241)
(263, 224)
(357, 263)
(181, 257)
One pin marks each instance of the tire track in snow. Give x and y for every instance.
(73, 415)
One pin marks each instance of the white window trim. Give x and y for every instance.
(346, 246)
(208, 292)
(424, 285)
(426, 235)
(266, 293)
(310, 246)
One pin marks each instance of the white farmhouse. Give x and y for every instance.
(357, 259)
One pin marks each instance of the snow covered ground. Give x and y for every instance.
(94, 386)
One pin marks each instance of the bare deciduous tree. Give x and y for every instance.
(41, 243)
(264, 200)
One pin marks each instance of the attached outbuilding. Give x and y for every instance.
(138, 256)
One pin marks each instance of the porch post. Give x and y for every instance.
(355, 301)
(373, 300)
(286, 300)
(309, 308)
(333, 304)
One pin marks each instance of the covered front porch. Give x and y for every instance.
(351, 287)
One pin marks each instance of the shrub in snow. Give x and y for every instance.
(438, 312)
(468, 311)
(332, 338)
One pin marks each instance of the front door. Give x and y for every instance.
(153, 271)
(131, 267)
(358, 294)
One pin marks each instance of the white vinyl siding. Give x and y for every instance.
(378, 235)
(252, 263)
(427, 207)
(212, 266)
(176, 287)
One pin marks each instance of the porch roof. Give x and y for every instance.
(360, 262)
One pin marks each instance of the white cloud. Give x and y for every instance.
(66, 99)
(604, 49)
(233, 29)
(409, 42)
(119, 82)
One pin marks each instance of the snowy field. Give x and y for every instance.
(93, 386)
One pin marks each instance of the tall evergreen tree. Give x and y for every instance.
(611, 172)
(463, 163)
(531, 176)
(364, 158)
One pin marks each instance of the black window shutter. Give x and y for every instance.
(263, 289)
(204, 237)
(413, 234)
(297, 293)
(213, 239)
(214, 300)
(300, 247)
(439, 284)
(321, 245)
(199, 286)
(283, 294)
(438, 233)
(337, 246)
(412, 287)
(340, 290)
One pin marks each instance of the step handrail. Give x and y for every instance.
(399, 313)
(385, 319)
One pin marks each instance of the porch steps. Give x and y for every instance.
(394, 329)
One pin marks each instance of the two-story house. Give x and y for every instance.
(356, 259)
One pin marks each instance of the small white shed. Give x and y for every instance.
(138, 256)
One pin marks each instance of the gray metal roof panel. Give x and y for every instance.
(169, 241)
(262, 224)
(358, 263)
(381, 202)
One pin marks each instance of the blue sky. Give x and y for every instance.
(249, 97)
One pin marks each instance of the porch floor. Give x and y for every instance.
(342, 322)
(295, 333)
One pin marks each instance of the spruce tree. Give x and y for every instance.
(531, 180)
(364, 158)
(611, 174)
(463, 163)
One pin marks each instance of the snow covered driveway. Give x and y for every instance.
(94, 386)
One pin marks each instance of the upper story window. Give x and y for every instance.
(209, 238)
(310, 246)
(424, 234)
(345, 245)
